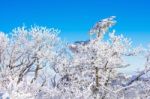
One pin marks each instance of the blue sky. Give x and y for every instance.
(75, 17)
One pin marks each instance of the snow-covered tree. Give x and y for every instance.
(94, 72)
(95, 64)
(31, 59)
(36, 64)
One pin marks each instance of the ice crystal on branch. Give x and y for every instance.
(101, 27)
